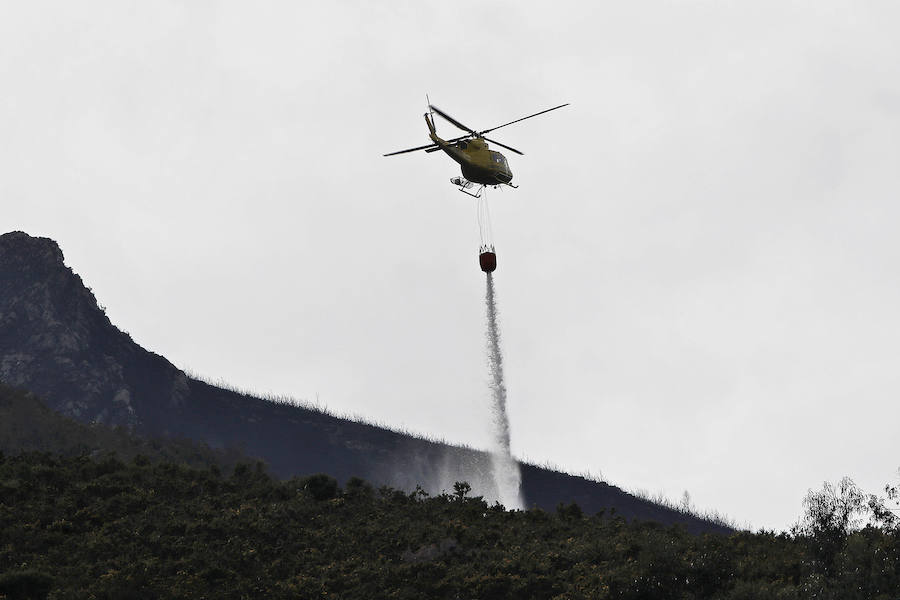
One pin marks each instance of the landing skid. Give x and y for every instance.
(465, 185)
(477, 193)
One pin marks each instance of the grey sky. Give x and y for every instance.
(697, 280)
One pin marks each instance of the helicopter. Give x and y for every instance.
(480, 165)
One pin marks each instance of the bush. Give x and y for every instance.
(25, 585)
(321, 487)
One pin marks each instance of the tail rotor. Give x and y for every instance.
(429, 116)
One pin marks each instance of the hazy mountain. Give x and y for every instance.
(56, 342)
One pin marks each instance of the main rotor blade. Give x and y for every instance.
(410, 149)
(523, 118)
(451, 119)
(427, 148)
(504, 146)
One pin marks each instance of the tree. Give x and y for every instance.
(358, 488)
(882, 512)
(831, 514)
(321, 486)
(460, 489)
(569, 512)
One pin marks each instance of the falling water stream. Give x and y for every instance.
(507, 476)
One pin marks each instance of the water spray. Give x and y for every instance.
(507, 476)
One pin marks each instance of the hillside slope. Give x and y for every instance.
(56, 342)
(76, 528)
(27, 425)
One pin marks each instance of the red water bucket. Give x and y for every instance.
(488, 261)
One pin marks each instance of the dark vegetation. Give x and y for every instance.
(75, 527)
(101, 513)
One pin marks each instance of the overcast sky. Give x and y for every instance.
(698, 277)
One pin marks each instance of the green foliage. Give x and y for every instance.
(831, 515)
(357, 488)
(75, 527)
(321, 487)
(25, 584)
(569, 512)
(886, 511)
(843, 560)
(461, 489)
(833, 511)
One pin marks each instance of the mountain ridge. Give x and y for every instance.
(56, 342)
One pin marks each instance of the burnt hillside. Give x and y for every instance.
(56, 342)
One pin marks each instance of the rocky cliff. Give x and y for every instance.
(57, 342)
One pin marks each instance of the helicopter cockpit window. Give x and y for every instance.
(462, 145)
